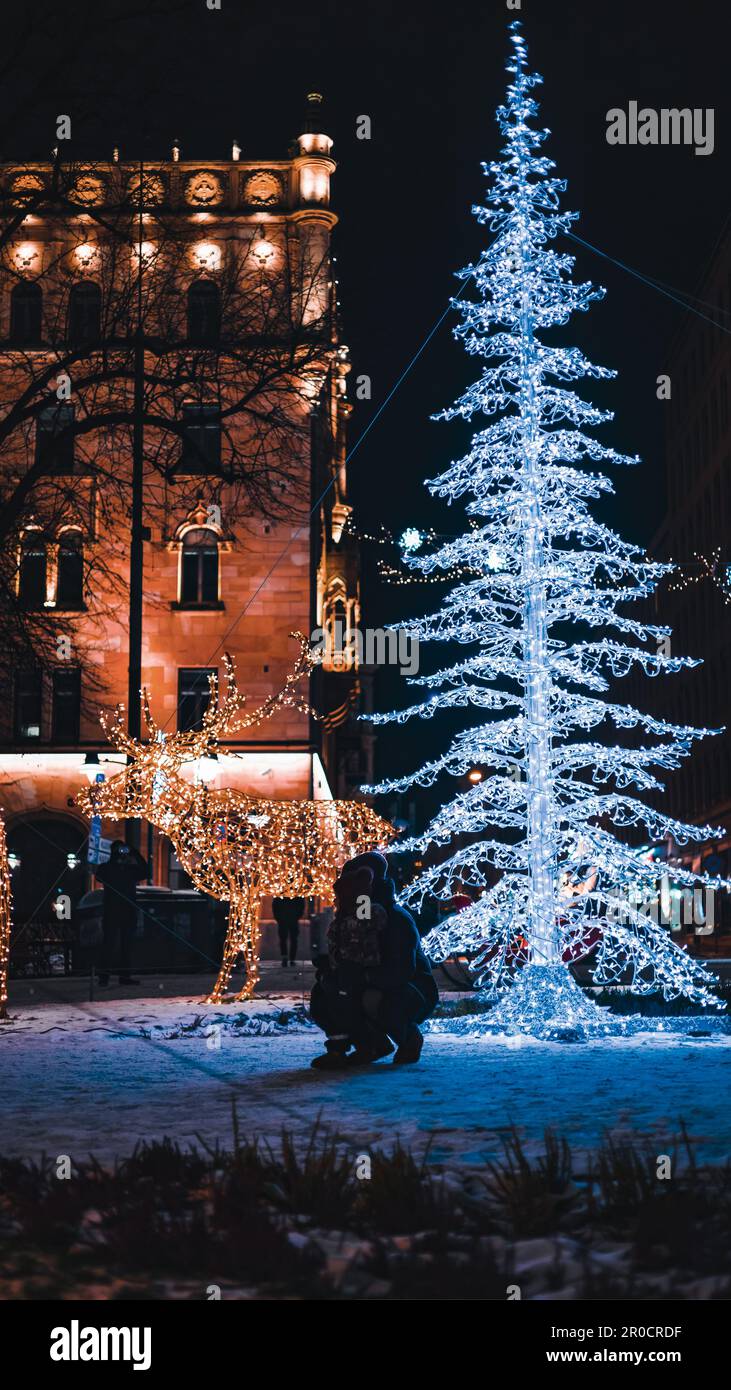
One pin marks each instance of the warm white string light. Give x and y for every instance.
(234, 846)
(6, 917)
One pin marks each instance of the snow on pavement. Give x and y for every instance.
(97, 1077)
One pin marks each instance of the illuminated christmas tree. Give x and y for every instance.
(546, 625)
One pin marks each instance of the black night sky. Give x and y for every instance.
(139, 75)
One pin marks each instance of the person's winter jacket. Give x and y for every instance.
(403, 960)
(119, 877)
(287, 911)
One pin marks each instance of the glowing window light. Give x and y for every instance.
(314, 184)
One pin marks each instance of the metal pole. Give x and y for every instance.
(136, 552)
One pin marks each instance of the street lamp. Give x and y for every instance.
(207, 768)
(92, 768)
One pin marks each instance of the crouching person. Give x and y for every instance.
(353, 945)
(375, 987)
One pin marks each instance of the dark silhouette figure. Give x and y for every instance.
(287, 913)
(119, 877)
(372, 1004)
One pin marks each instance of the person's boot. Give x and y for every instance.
(293, 962)
(365, 1053)
(333, 1058)
(284, 961)
(410, 1050)
(102, 981)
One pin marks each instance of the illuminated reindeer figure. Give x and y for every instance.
(234, 846)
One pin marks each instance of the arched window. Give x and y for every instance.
(70, 581)
(32, 580)
(26, 312)
(85, 312)
(199, 568)
(338, 621)
(204, 313)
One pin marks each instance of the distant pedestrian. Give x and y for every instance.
(287, 913)
(119, 878)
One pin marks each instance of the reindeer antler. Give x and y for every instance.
(151, 725)
(218, 719)
(113, 726)
(229, 715)
(287, 697)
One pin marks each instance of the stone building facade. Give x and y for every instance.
(224, 271)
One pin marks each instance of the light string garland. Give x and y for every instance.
(234, 846)
(713, 568)
(545, 817)
(410, 540)
(6, 921)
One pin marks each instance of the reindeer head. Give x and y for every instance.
(142, 788)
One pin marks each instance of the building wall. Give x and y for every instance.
(275, 575)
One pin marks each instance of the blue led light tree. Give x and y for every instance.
(545, 618)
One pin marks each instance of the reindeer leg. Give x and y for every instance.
(242, 937)
(251, 943)
(233, 946)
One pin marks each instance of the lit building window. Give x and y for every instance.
(339, 620)
(28, 704)
(70, 581)
(32, 576)
(199, 568)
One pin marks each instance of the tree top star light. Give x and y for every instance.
(543, 616)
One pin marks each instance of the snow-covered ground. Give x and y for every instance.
(95, 1078)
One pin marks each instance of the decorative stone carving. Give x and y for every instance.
(203, 188)
(87, 189)
(263, 189)
(153, 188)
(25, 186)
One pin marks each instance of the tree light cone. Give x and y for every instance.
(543, 622)
(546, 1002)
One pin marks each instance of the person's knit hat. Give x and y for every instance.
(376, 862)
